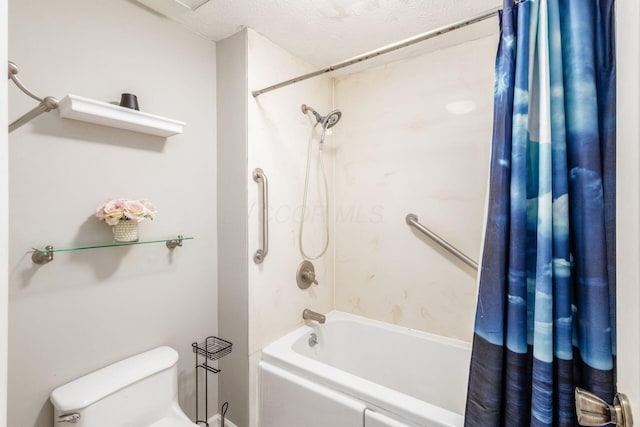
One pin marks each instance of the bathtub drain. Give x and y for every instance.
(313, 339)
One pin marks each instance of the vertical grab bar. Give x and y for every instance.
(260, 177)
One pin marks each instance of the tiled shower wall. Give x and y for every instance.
(278, 136)
(415, 138)
(278, 140)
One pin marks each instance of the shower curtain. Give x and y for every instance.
(545, 320)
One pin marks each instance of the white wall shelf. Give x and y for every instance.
(105, 114)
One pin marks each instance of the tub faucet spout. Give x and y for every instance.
(312, 315)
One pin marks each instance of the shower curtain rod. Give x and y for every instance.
(375, 53)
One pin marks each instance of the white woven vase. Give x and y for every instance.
(125, 231)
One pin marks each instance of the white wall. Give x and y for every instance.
(401, 148)
(628, 200)
(4, 219)
(87, 309)
(233, 272)
(278, 138)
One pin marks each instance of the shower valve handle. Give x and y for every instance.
(306, 275)
(310, 276)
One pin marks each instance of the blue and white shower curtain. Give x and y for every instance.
(545, 320)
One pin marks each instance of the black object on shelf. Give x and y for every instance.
(129, 100)
(211, 349)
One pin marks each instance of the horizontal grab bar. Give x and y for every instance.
(412, 220)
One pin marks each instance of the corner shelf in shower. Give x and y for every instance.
(45, 255)
(102, 113)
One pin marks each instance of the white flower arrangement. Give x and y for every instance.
(117, 210)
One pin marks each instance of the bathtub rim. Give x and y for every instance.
(407, 408)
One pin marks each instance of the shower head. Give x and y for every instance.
(305, 109)
(331, 119)
(328, 121)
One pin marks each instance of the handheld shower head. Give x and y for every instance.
(328, 121)
(331, 119)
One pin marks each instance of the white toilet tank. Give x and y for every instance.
(135, 392)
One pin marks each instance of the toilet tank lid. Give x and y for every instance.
(89, 389)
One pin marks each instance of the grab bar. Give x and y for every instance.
(412, 220)
(260, 177)
(45, 105)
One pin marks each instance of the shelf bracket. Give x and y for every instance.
(43, 257)
(172, 244)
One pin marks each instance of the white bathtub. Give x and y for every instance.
(363, 373)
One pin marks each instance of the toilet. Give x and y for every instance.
(141, 391)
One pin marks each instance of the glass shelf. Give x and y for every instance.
(45, 255)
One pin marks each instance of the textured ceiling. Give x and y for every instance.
(323, 32)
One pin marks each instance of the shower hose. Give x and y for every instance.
(306, 191)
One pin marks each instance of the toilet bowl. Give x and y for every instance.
(141, 391)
